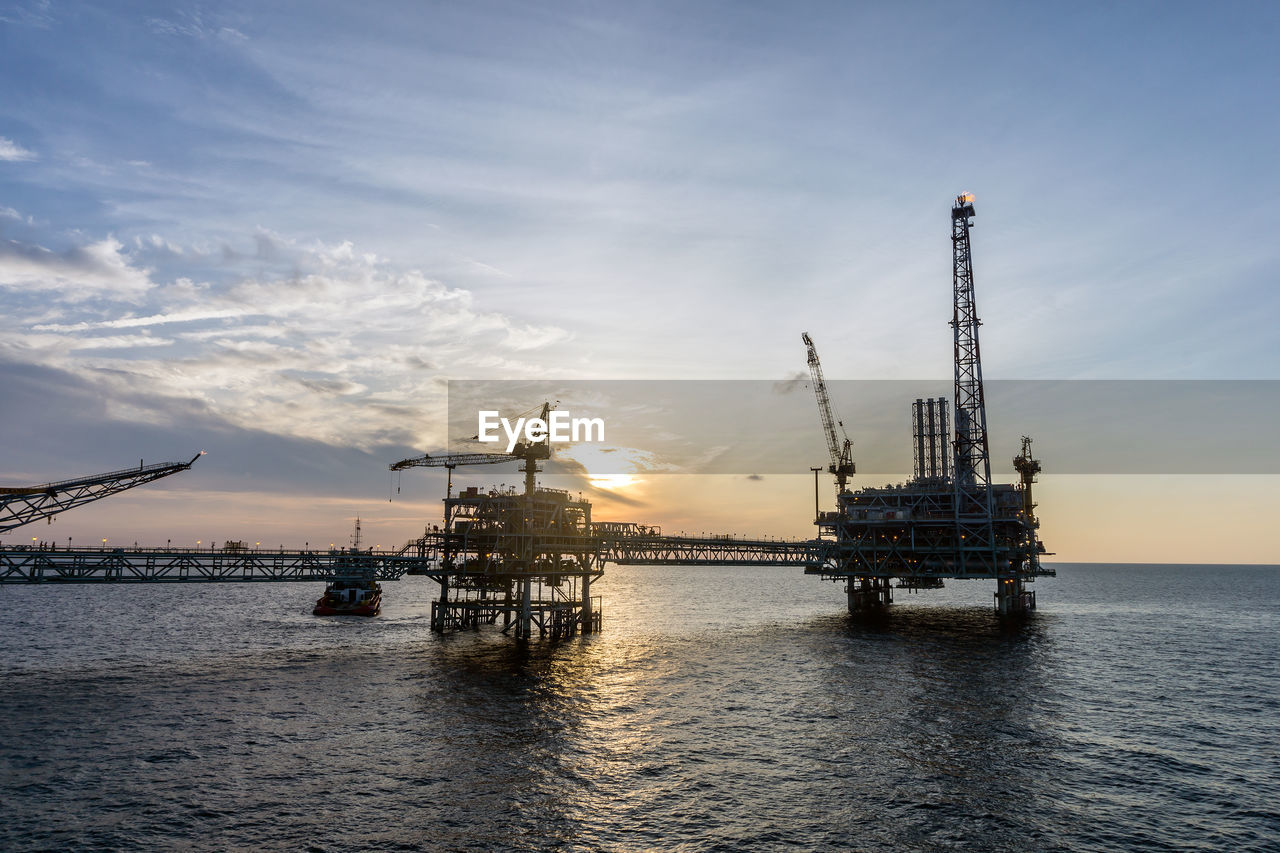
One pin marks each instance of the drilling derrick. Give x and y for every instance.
(973, 461)
(973, 508)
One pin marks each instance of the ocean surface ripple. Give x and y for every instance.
(721, 709)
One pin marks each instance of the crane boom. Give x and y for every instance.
(838, 444)
(452, 460)
(528, 452)
(21, 505)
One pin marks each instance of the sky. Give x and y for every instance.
(277, 231)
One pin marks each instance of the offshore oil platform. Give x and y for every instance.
(950, 520)
(528, 559)
(525, 558)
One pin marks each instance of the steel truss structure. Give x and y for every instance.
(25, 504)
(711, 551)
(974, 506)
(525, 559)
(159, 565)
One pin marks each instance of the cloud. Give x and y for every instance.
(120, 342)
(326, 342)
(159, 245)
(192, 25)
(136, 322)
(31, 14)
(84, 431)
(577, 478)
(534, 337)
(10, 213)
(13, 152)
(97, 269)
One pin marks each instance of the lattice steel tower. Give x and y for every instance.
(973, 459)
(973, 462)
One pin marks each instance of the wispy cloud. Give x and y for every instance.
(31, 14)
(119, 342)
(192, 24)
(13, 152)
(136, 322)
(342, 347)
(76, 274)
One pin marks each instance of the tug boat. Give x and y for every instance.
(350, 598)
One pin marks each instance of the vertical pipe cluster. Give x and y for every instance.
(931, 439)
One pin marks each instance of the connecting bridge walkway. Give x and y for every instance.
(162, 565)
(711, 551)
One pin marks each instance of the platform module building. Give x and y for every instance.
(926, 530)
(526, 560)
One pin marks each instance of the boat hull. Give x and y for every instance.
(365, 608)
(345, 598)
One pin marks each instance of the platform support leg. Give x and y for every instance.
(524, 626)
(869, 595)
(440, 608)
(1013, 599)
(587, 616)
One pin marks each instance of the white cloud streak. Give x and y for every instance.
(192, 25)
(119, 342)
(137, 322)
(13, 152)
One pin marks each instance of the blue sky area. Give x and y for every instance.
(280, 227)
